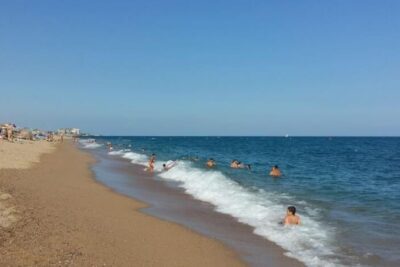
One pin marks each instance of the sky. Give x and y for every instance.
(202, 67)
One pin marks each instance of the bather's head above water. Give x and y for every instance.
(275, 171)
(291, 210)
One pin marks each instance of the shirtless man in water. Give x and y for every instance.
(238, 165)
(211, 163)
(275, 172)
(170, 164)
(291, 218)
(234, 164)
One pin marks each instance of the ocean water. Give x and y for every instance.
(346, 189)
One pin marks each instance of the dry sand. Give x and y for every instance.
(67, 219)
(17, 155)
(22, 154)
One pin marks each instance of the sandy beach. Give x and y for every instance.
(63, 217)
(17, 155)
(22, 154)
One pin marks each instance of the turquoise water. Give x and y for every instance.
(346, 189)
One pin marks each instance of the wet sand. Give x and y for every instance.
(65, 218)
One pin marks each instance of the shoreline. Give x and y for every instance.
(68, 218)
(168, 202)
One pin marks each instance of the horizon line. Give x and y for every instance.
(283, 136)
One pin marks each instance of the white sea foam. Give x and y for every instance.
(138, 158)
(89, 143)
(310, 243)
(119, 152)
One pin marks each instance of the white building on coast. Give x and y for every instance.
(69, 131)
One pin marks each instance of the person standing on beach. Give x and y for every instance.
(152, 160)
(10, 129)
(1, 133)
(109, 146)
(291, 218)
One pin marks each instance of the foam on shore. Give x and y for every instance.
(89, 143)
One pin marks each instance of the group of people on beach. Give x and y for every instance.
(12, 133)
(6, 131)
(51, 137)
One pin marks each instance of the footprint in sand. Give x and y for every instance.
(7, 214)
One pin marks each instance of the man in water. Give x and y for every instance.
(244, 166)
(291, 218)
(275, 171)
(234, 164)
(170, 164)
(211, 163)
(239, 165)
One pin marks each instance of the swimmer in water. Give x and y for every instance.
(238, 165)
(291, 218)
(234, 164)
(170, 164)
(275, 171)
(241, 165)
(211, 163)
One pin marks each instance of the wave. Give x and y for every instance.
(310, 243)
(89, 143)
(137, 158)
(119, 152)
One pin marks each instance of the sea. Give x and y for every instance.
(345, 189)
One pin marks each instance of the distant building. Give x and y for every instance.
(69, 131)
(75, 131)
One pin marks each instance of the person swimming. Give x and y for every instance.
(275, 171)
(234, 164)
(239, 165)
(291, 218)
(168, 165)
(211, 163)
(244, 166)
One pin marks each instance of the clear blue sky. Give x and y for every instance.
(202, 67)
